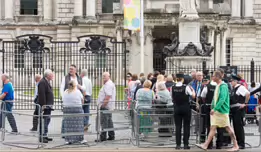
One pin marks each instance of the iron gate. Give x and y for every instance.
(32, 54)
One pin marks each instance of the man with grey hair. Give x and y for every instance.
(7, 96)
(106, 101)
(46, 99)
(37, 79)
(87, 85)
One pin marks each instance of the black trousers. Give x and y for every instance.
(205, 127)
(35, 118)
(182, 114)
(237, 116)
(46, 120)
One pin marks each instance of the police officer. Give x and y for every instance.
(182, 112)
(207, 95)
(240, 97)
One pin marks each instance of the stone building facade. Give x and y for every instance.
(233, 26)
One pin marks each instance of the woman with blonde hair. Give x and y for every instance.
(72, 104)
(160, 78)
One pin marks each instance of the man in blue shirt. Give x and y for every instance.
(7, 97)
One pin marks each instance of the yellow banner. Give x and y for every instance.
(132, 14)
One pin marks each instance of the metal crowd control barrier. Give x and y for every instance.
(20, 117)
(154, 125)
(121, 121)
(252, 126)
(60, 117)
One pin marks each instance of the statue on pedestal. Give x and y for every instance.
(188, 7)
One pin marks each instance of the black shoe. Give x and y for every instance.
(43, 141)
(186, 147)
(178, 147)
(33, 129)
(111, 138)
(14, 131)
(100, 140)
(49, 139)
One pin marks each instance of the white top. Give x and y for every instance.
(242, 90)
(63, 84)
(205, 89)
(72, 99)
(188, 89)
(87, 85)
(108, 89)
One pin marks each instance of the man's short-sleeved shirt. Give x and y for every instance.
(108, 89)
(9, 91)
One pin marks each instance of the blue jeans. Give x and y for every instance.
(86, 109)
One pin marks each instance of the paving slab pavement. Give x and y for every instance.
(29, 140)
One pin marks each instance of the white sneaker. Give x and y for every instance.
(83, 142)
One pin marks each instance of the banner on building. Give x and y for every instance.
(132, 15)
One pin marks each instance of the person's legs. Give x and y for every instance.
(186, 128)
(203, 127)
(238, 125)
(233, 138)
(35, 119)
(210, 137)
(2, 115)
(104, 125)
(111, 134)
(220, 138)
(178, 124)
(11, 118)
(86, 109)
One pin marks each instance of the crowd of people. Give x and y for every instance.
(219, 101)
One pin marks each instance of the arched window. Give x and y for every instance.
(29, 7)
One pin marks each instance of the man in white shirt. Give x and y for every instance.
(87, 85)
(106, 100)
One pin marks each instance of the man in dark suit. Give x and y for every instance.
(46, 99)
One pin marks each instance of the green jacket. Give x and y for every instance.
(223, 101)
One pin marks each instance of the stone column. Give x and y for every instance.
(223, 38)
(55, 9)
(48, 11)
(249, 8)
(236, 8)
(78, 9)
(210, 4)
(90, 8)
(148, 6)
(9, 10)
(119, 58)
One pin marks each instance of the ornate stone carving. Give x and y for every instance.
(34, 45)
(171, 49)
(95, 45)
(191, 49)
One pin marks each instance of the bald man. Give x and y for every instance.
(37, 79)
(106, 100)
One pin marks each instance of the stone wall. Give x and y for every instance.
(244, 44)
(257, 11)
(66, 10)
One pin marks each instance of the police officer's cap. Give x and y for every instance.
(180, 75)
(206, 78)
(235, 77)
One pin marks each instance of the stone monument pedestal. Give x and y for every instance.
(189, 31)
(184, 63)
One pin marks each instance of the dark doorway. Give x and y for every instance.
(159, 62)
